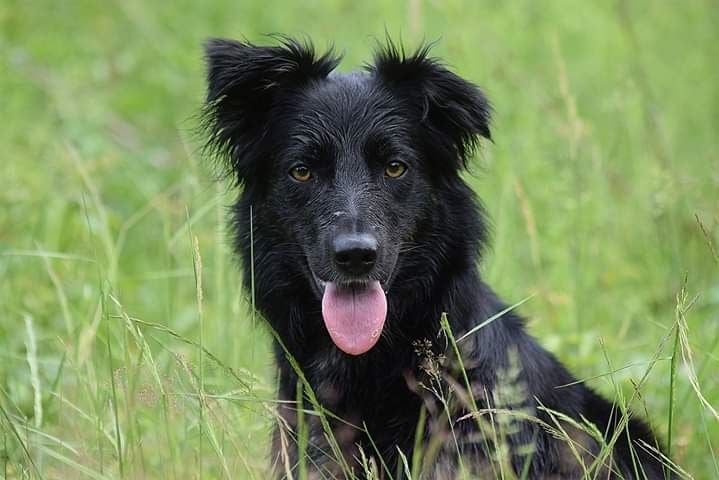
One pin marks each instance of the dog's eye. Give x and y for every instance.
(301, 173)
(395, 169)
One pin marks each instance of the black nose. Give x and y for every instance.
(354, 253)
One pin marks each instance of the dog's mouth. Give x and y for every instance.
(354, 313)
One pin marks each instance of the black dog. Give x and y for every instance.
(364, 239)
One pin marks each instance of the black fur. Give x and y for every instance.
(270, 108)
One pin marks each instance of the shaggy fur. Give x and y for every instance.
(270, 108)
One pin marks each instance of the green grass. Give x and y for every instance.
(602, 183)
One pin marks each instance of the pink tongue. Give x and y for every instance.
(354, 317)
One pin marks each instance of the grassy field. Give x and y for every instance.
(125, 351)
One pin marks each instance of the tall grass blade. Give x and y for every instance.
(494, 317)
(25, 449)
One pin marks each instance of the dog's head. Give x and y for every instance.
(346, 163)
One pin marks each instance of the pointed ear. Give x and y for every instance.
(453, 112)
(243, 83)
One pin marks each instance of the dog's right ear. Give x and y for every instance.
(243, 83)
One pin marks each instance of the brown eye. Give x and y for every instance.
(301, 173)
(395, 169)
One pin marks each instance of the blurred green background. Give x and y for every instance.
(602, 184)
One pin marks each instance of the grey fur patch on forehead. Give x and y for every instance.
(356, 76)
(349, 81)
(344, 99)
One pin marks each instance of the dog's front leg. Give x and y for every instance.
(309, 441)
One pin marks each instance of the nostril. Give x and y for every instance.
(344, 256)
(369, 256)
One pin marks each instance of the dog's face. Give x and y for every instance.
(347, 178)
(346, 163)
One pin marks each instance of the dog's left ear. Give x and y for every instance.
(453, 111)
